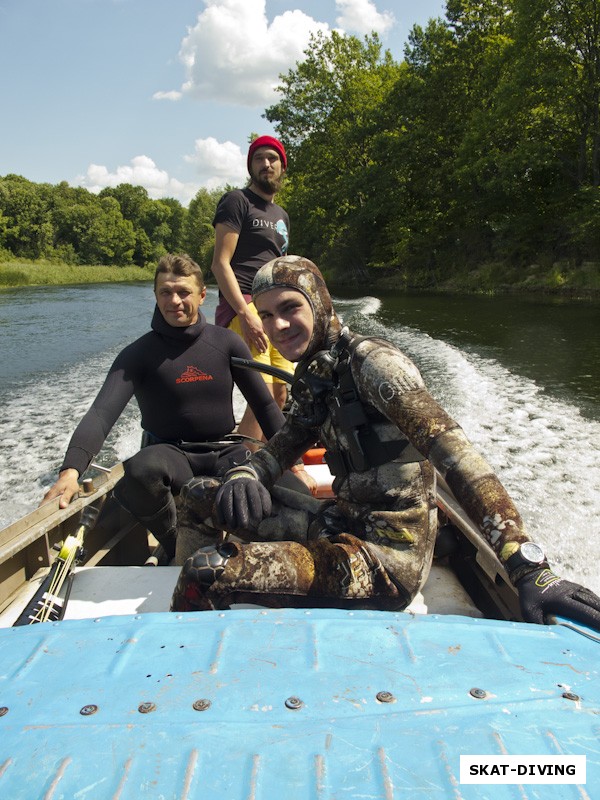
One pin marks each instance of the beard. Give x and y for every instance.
(267, 184)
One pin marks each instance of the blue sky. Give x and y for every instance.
(160, 93)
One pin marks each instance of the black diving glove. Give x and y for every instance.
(542, 593)
(242, 502)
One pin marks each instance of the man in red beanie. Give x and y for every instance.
(266, 141)
(250, 230)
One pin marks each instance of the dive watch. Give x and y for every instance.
(527, 558)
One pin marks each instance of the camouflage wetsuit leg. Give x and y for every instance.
(373, 558)
(338, 572)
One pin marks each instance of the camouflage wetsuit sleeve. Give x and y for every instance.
(389, 381)
(283, 450)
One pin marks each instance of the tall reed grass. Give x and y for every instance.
(19, 272)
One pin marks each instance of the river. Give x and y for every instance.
(522, 376)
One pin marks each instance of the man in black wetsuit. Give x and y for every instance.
(181, 376)
(384, 434)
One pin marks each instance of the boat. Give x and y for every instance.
(116, 697)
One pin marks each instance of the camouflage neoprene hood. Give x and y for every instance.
(299, 273)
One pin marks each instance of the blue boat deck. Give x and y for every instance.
(289, 705)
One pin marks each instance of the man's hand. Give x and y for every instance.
(242, 502)
(307, 479)
(542, 593)
(66, 487)
(253, 332)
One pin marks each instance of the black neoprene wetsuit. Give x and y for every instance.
(183, 381)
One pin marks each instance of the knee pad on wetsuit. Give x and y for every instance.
(198, 574)
(199, 493)
(206, 565)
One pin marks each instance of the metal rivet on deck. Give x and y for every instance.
(87, 711)
(146, 708)
(201, 705)
(480, 694)
(294, 703)
(385, 697)
(3, 711)
(571, 696)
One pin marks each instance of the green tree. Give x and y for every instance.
(150, 220)
(419, 130)
(27, 226)
(173, 242)
(158, 224)
(198, 233)
(565, 36)
(454, 68)
(326, 119)
(94, 229)
(530, 155)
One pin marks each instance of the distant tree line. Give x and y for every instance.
(120, 226)
(481, 146)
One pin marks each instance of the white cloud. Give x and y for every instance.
(215, 163)
(141, 171)
(218, 163)
(234, 55)
(171, 95)
(361, 16)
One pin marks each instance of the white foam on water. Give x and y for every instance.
(38, 419)
(370, 305)
(40, 412)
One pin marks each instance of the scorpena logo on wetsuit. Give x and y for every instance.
(192, 374)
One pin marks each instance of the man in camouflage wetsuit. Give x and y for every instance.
(366, 402)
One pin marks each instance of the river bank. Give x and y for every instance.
(561, 279)
(20, 272)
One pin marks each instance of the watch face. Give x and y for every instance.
(532, 552)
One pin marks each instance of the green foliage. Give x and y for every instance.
(120, 226)
(157, 225)
(198, 232)
(26, 226)
(481, 148)
(327, 119)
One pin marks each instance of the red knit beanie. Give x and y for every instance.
(267, 141)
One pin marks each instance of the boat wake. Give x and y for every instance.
(39, 418)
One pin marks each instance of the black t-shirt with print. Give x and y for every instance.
(263, 228)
